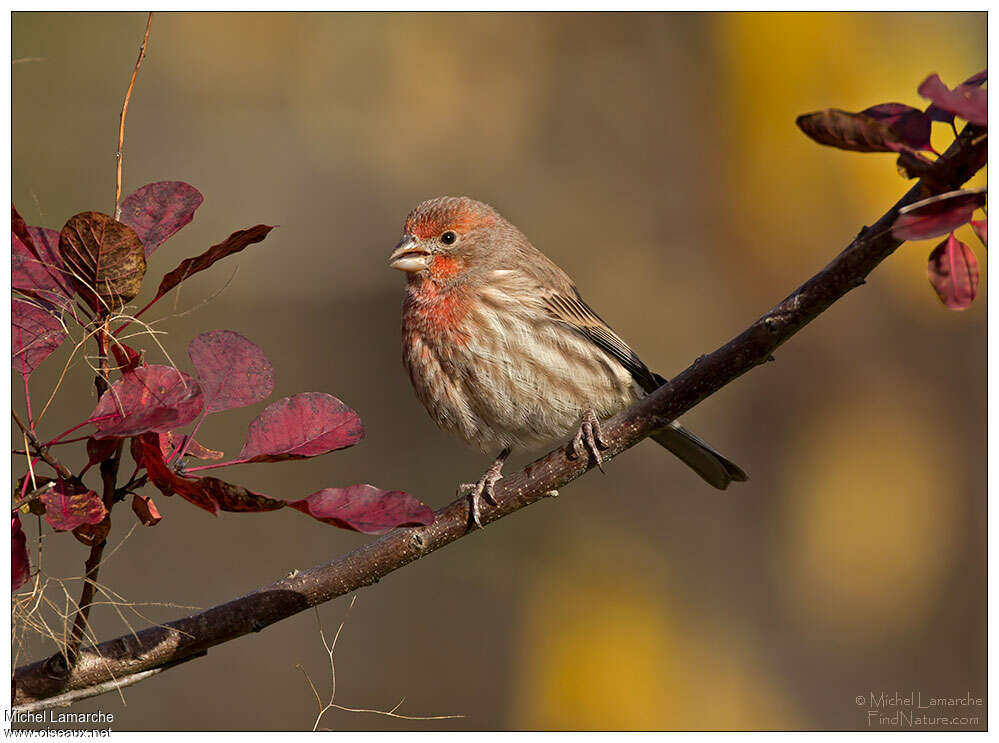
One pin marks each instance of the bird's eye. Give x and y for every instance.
(449, 237)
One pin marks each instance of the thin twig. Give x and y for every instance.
(40, 449)
(28, 497)
(332, 704)
(124, 112)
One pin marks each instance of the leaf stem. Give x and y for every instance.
(178, 455)
(58, 439)
(215, 465)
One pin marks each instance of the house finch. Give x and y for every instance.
(503, 351)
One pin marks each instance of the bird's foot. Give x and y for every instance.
(589, 439)
(483, 489)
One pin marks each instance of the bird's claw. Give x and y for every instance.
(589, 439)
(478, 491)
(483, 489)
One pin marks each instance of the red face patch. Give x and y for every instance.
(444, 267)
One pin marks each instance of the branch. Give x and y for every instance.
(178, 640)
(41, 449)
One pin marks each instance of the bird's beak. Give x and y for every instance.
(409, 256)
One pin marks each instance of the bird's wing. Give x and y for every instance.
(571, 310)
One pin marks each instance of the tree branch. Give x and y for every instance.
(41, 449)
(154, 647)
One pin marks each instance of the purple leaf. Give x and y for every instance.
(208, 493)
(24, 238)
(981, 228)
(937, 215)
(20, 567)
(233, 372)
(146, 452)
(151, 398)
(126, 357)
(34, 334)
(99, 450)
(978, 78)
(910, 124)
(43, 277)
(953, 272)
(365, 508)
(157, 211)
(861, 132)
(47, 244)
(236, 498)
(969, 100)
(236, 242)
(71, 504)
(303, 425)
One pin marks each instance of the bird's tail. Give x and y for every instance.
(697, 454)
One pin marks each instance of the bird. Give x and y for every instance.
(504, 353)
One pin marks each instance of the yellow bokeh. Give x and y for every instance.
(602, 651)
(871, 512)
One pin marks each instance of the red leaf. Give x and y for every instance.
(34, 334)
(979, 78)
(937, 215)
(209, 493)
(145, 509)
(47, 244)
(20, 567)
(969, 100)
(953, 272)
(981, 228)
(105, 260)
(365, 508)
(146, 450)
(70, 504)
(20, 229)
(99, 450)
(304, 425)
(861, 132)
(232, 372)
(238, 499)
(152, 398)
(236, 242)
(43, 277)
(126, 357)
(910, 124)
(157, 211)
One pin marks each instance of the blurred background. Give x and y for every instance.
(852, 562)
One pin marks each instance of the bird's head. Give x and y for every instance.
(445, 237)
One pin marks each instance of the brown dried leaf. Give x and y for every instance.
(105, 258)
